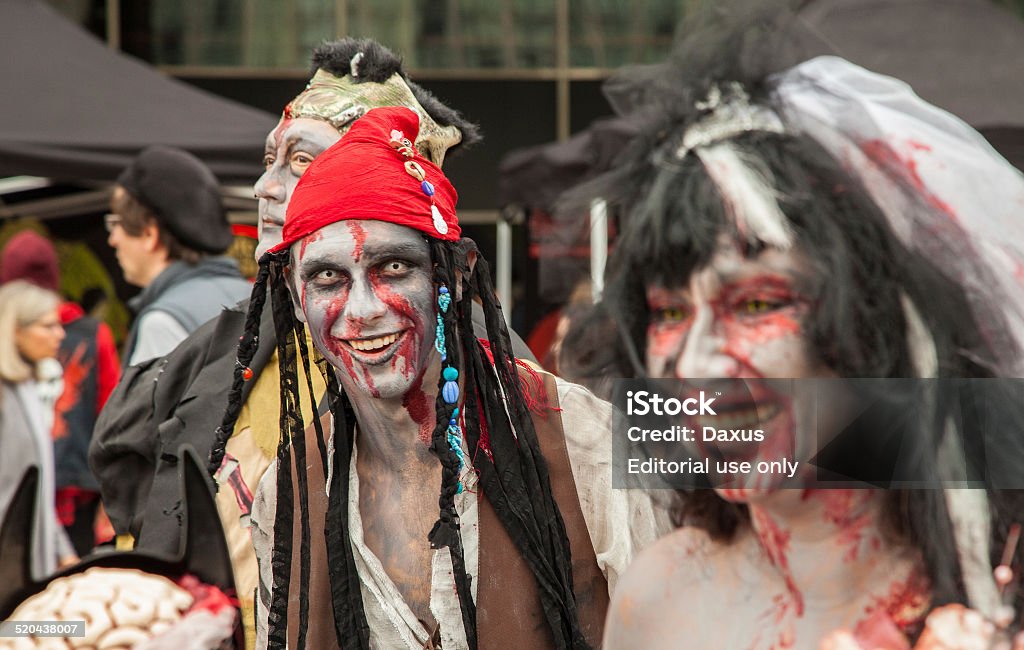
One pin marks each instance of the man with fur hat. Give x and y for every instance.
(169, 230)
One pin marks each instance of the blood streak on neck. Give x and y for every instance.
(417, 404)
(775, 541)
(850, 512)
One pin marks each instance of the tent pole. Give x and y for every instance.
(114, 24)
(598, 246)
(503, 268)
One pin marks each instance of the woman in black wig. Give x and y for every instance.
(816, 222)
(372, 262)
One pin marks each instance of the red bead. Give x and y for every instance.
(246, 374)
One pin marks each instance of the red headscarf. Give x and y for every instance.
(374, 172)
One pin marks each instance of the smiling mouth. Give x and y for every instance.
(753, 416)
(375, 350)
(373, 345)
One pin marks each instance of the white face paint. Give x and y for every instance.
(740, 318)
(290, 149)
(365, 289)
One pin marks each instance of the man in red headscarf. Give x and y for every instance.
(179, 399)
(355, 547)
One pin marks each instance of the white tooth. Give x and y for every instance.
(366, 345)
(766, 412)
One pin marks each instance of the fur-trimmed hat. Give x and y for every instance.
(354, 75)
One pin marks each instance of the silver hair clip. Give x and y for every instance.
(731, 114)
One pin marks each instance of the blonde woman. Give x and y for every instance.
(30, 332)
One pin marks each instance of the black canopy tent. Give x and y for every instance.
(966, 56)
(76, 110)
(75, 113)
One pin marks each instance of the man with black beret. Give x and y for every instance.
(169, 230)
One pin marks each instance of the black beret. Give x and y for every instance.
(183, 194)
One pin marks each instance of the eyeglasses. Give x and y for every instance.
(110, 220)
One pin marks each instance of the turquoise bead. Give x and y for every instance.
(450, 374)
(450, 392)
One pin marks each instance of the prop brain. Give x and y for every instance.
(126, 608)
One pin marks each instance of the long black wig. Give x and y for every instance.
(673, 212)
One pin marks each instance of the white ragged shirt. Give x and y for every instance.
(621, 523)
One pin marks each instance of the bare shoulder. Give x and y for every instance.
(666, 578)
(679, 558)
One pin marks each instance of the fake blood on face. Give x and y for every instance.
(367, 296)
(359, 237)
(740, 317)
(311, 238)
(412, 344)
(749, 316)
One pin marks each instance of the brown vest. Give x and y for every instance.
(508, 610)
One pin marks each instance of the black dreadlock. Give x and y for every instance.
(445, 532)
(247, 346)
(350, 621)
(293, 435)
(513, 473)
